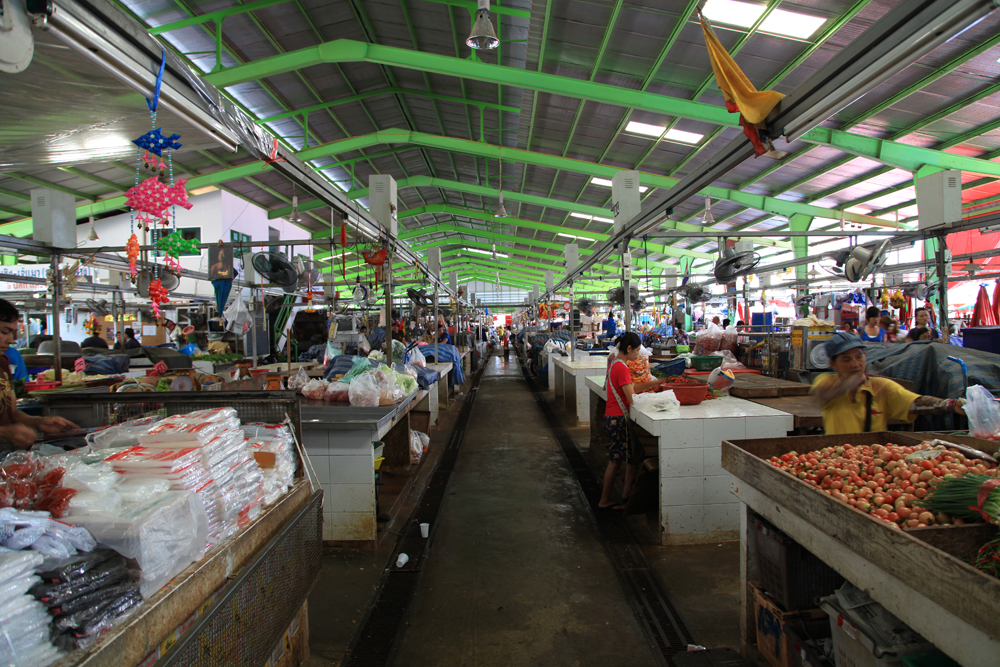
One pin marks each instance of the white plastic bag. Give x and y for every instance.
(97, 478)
(298, 380)
(364, 391)
(417, 357)
(315, 389)
(418, 443)
(121, 435)
(983, 412)
(164, 535)
(729, 339)
(708, 341)
(645, 351)
(729, 361)
(236, 317)
(338, 392)
(660, 403)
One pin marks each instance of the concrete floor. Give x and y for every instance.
(517, 574)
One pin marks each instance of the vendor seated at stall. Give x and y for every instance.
(918, 333)
(854, 402)
(922, 317)
(17, 430)
(443, 337)
(608, 326)
(94, 340)
(872, 331)
(623, 446)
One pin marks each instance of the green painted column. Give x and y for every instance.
(800, 244)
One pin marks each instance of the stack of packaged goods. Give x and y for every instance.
(233, 492)
(24, 639)
(86, 595)
(275, 453)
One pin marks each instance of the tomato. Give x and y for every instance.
(786, 457)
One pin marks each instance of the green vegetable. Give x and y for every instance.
(959, 496)
(218, 357)
(988, 558)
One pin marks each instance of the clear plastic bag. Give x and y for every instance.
(98, 477)
(708, 341)
(663, 402)
(364, 391)
(121, 435)
(298, 380)
(164, 535)
(983, 412)
(417, 358)
(418, 444)
(137, 489)
(314, 389)
(87, 502)
(389, 394)
(728, 341)
(189, 432)
(729, 361)
(645, 351)
(338, 392)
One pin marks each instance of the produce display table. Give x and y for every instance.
(695, 501)
(950, 603)
(570, 390)
(339, 440)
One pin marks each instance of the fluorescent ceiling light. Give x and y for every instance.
(203, 191)
(570, 236)
(645, 129)
(683, 137)
(583, 216)
(594, 180)
(792, 24)
(610, 221)
(730, 12)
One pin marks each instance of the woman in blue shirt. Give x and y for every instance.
(872, 332)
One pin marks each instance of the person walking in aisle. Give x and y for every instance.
(623, 446)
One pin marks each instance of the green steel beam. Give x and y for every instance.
(400, 136)
(902, 156)
(344, 50)
(45, 184)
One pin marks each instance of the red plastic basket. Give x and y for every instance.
(40, 385)
(688, 394)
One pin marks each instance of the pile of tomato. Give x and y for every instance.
(886, 481)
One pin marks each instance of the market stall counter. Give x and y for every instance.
(570, 388)
(340, 441)
(695, 503)
(920, 574)
(444, 373)
(245, 591)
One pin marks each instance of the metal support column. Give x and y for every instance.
(626, 279)
(434, 328)
(942, 276)
(56, 340)
(572, 324)
(387, 279)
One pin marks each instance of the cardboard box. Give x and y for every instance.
(772, 641)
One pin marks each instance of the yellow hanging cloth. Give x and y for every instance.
(754, 105)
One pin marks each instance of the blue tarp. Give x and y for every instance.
(926, 365)
(107, 364)
(449, 353)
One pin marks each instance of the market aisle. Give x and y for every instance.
(517, 575)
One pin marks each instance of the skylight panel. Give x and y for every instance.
(731, 12)
(792, 24)
(682, 137)
(644, 129)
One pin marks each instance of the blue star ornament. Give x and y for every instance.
(154, 141)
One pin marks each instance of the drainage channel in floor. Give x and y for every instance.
(661, 624)
(375, 642)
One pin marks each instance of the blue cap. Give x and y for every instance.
(842, 342)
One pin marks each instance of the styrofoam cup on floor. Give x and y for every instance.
(425, 529)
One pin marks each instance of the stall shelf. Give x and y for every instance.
(950, 603)
(570, 388)
(695, 504)
(339, 440)
(235, 604)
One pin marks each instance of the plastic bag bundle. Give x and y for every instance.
(36, 531)
(121, 435)
(277, 478)
(729, 361)
(416, 358)
(154, 461)
(298, 380)
(24, 621)
(728, 341)
(164, 535)
(314, 389)
(260, 430)
(96, 478)
(418, 445)
(983, 412)
(84, 627)
(364, 391)
(192, 431)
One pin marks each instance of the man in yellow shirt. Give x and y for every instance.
(855, 403)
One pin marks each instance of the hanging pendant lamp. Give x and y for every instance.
(483, 36)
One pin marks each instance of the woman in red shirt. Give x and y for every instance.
(622, 444)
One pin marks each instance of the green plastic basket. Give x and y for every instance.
(706, 363)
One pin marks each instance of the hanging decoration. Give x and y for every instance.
(740, 95)
(221, 285)
(897, 300)
(272, 158)
(996, 301)
(375, 257)
(154, 204)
